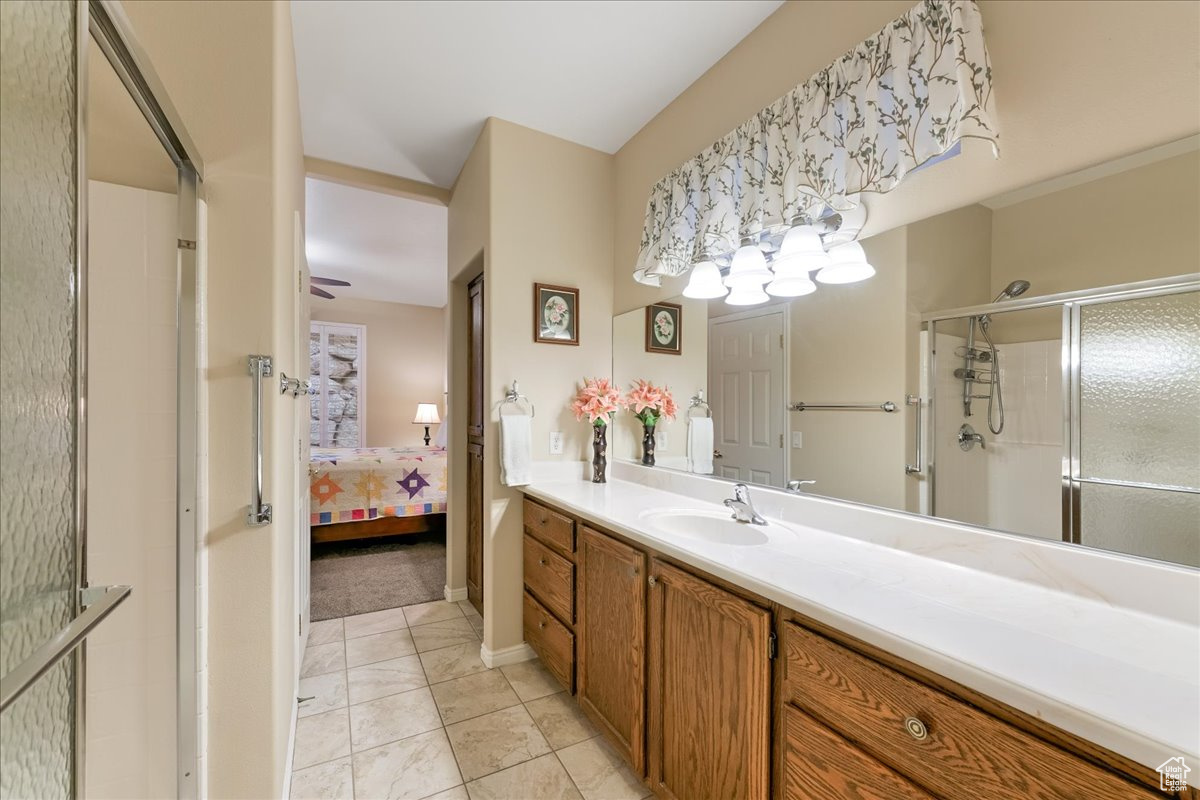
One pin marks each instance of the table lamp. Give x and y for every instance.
(427, 414)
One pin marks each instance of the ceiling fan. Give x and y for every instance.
(315, 282)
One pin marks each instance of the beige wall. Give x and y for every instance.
(240, 104)
(406, 364)
(847, 345)
(551, 222)
(1132, 226)
(528, 208)
(468, 221)
(683, 374)
(1070, 93)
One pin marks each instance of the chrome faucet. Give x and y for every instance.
(794, 486)
(743, 509)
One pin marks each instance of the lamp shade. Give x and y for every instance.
(800, 253)
(705, 282)
(791, 287)
(427, 414)
(749, 268)
(750, 294)
(849, 265)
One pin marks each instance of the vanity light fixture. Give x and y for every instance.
(705, 282)
(849, 265)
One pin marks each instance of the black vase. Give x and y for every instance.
(648, 445)
(599, 453)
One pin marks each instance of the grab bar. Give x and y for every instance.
(918, 467)
(887, 407)
(39, 662)
(260, 512)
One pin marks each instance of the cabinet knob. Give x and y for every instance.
(541, 623)
(652, 581)
(916, 728)
(542, 561)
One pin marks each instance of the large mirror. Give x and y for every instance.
(1030, 364)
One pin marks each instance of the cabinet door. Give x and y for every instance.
(475, 526)
(610, 635)
(820, 765)
(710, 690)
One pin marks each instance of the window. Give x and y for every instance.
(337, 355)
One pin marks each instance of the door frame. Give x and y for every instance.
(104, 23)
(784, 308)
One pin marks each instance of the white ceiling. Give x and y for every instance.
(404, 87)
(389, 248)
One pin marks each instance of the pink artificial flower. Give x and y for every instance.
(650, 402)
(597, 399)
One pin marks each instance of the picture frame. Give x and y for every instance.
(555, 314)
(664, 328)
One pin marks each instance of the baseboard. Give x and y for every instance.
(455, 595)
(509, 655)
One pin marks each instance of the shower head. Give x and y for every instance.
(1014, 289)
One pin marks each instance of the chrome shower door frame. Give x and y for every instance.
(111, 30)
(1072, 363)
(1072, 304)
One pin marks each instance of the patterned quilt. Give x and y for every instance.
(348, 485)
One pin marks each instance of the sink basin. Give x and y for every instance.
(708, 526)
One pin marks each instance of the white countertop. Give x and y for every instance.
(986, 610)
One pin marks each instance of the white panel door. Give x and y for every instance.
(746, 379)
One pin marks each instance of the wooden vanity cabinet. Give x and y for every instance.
(611, 667)
(710, 690)
(678, 671)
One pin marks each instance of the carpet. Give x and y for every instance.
(357, 577)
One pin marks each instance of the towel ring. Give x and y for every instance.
(515, 397)
(697, 401)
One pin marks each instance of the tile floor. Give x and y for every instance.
(403, 707)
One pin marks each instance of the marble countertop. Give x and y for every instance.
(1109, 668)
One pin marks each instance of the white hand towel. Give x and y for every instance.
(516, 449)
(700, 445)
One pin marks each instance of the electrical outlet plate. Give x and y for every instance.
(556, 443)
(661, 440)
(797, 440)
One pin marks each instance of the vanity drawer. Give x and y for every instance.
(551, 527)
(550, 578)
(551, 640)
(819, 763)
(949, 747)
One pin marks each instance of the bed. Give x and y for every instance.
(376, 491)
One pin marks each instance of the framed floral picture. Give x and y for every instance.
(555, 314)
(664, 328)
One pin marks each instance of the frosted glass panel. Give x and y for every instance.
(1139, 383)
(1146, 522)
(37, 412)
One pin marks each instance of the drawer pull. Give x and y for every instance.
(541, 623)
(545, 520)
(542, 561)
(652, 581)
(916, 728)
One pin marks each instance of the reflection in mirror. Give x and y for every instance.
(1057, 400)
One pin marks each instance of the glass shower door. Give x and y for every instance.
(39, 563)
(1136, 451)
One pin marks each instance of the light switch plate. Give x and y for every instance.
(660, 440)
(797, 440)
(556, 444)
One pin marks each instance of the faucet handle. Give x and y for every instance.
(794, 486)
(741, 492)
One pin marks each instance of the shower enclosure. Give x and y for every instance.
(1100, 442)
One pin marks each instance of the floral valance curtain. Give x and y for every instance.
(900, 98)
